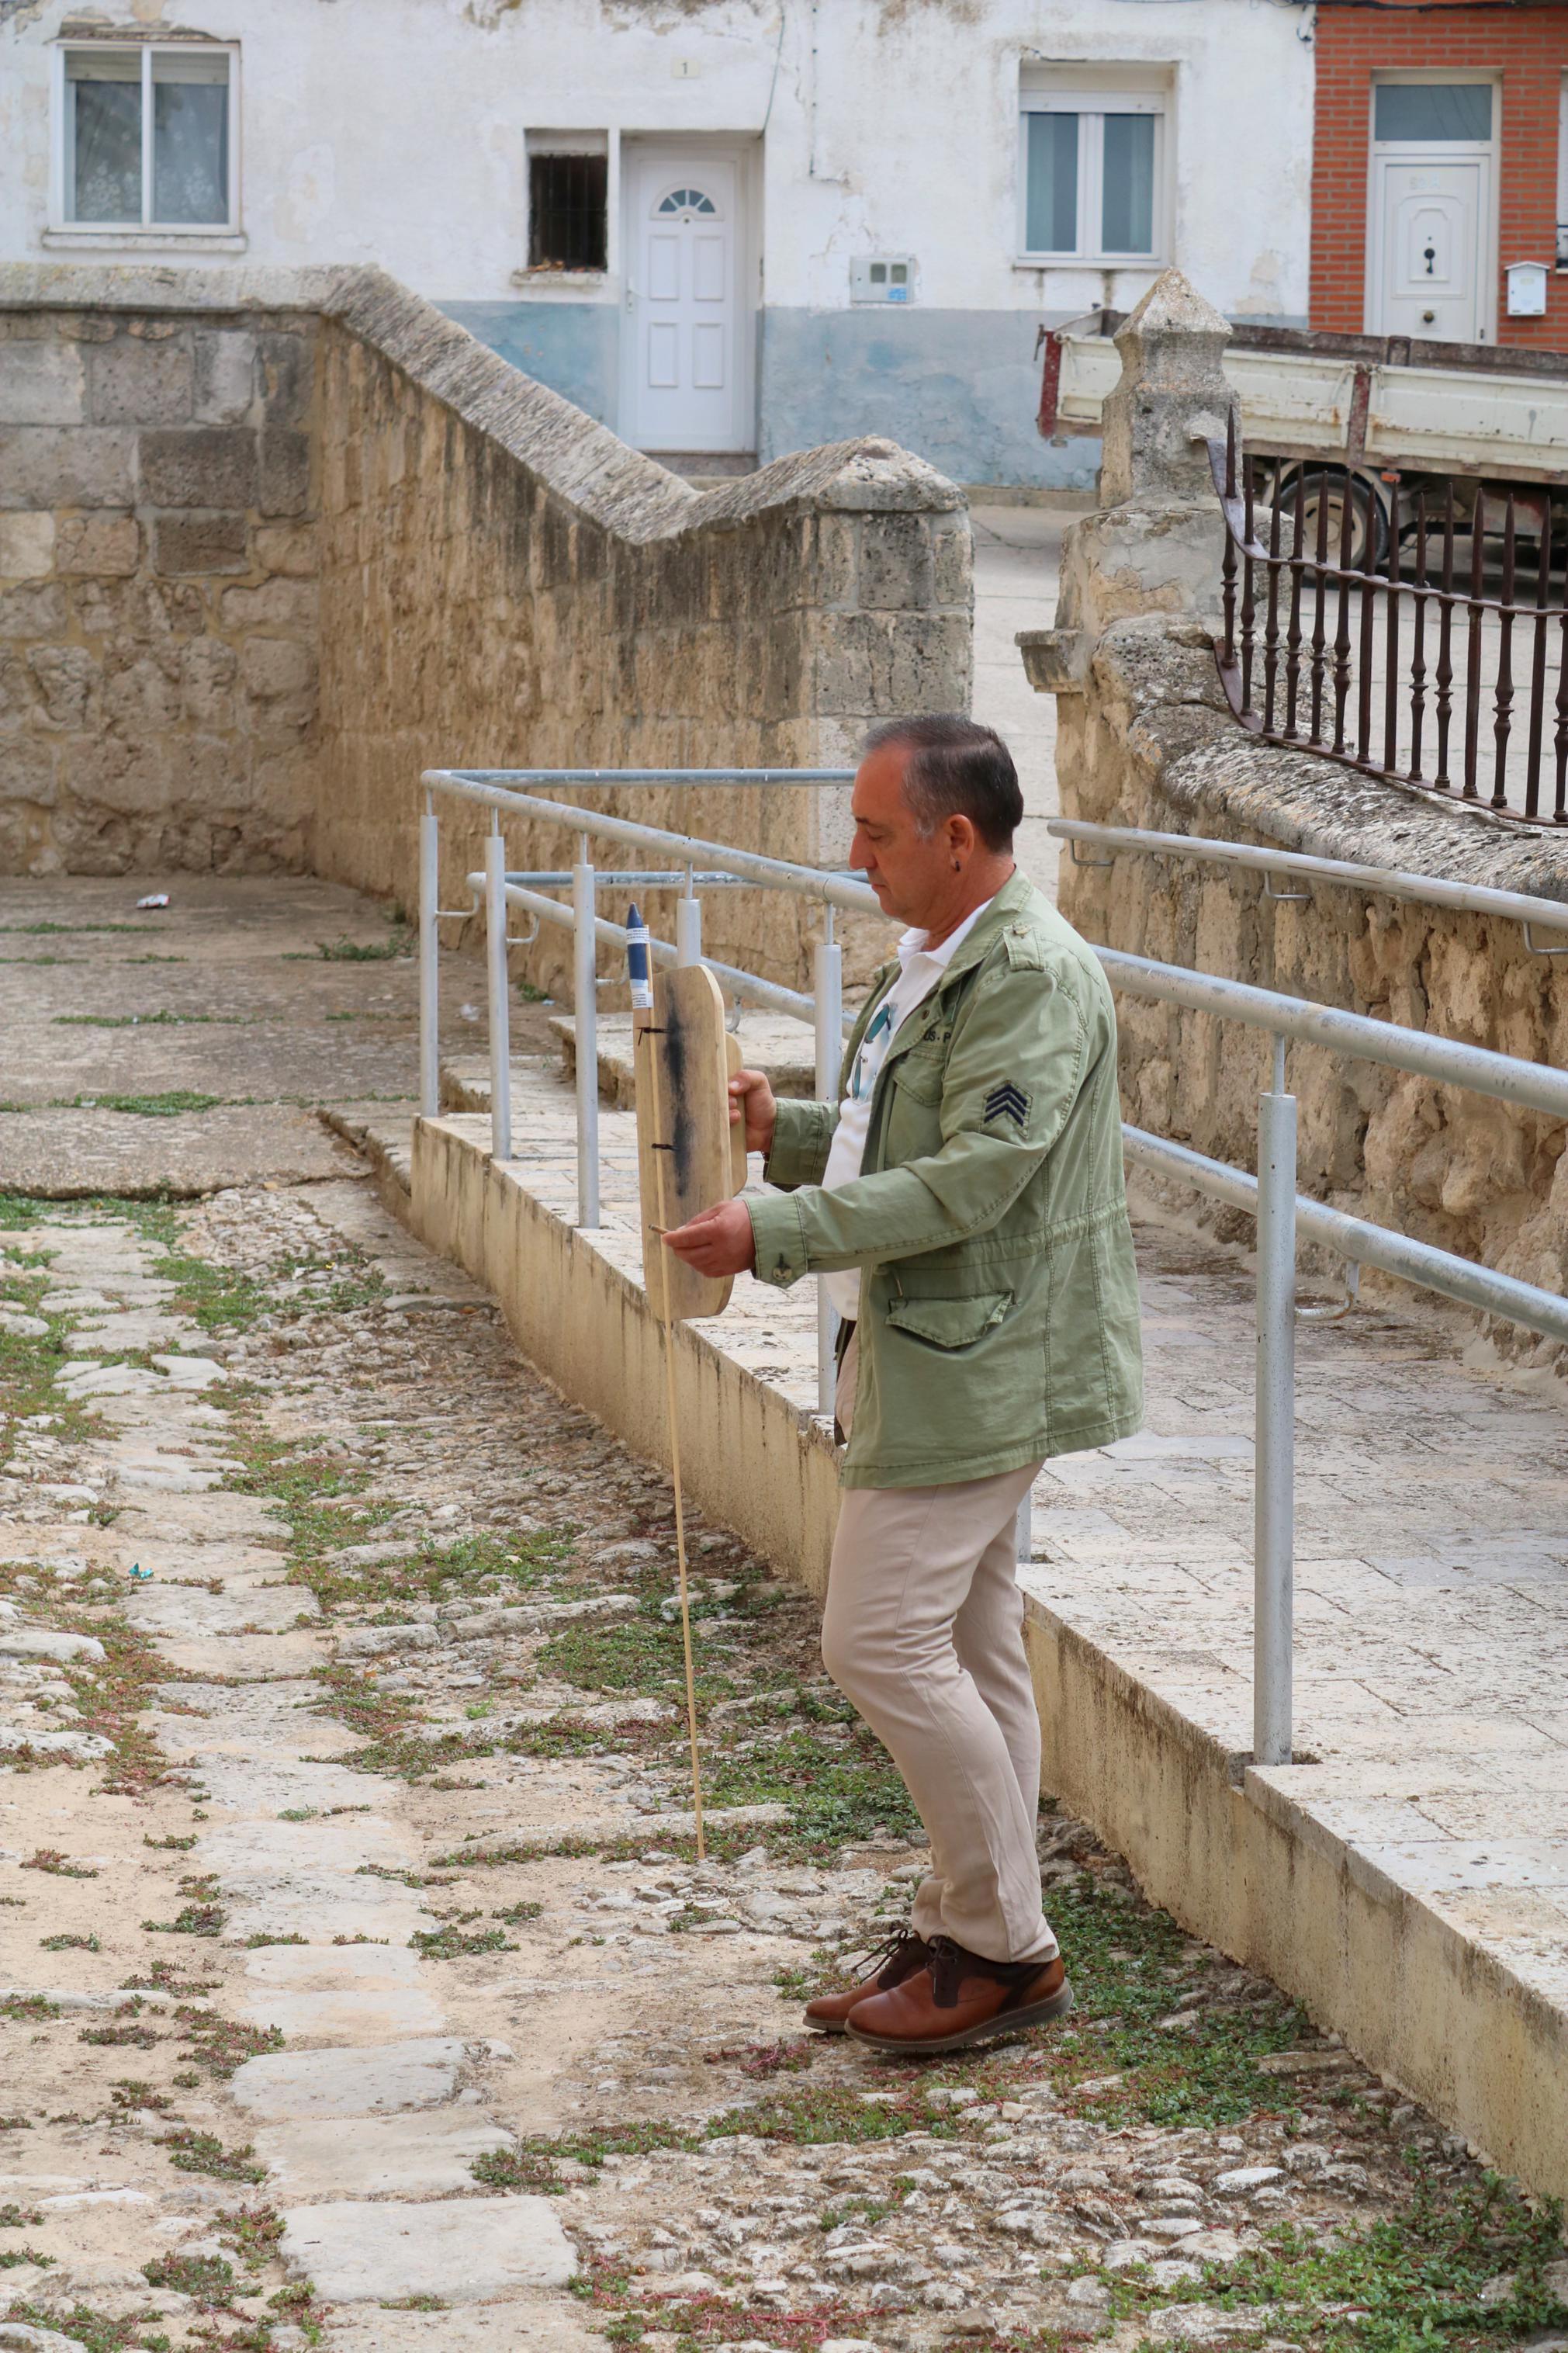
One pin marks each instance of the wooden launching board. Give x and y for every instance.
(689, 1155)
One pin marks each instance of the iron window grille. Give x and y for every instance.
(567, 212)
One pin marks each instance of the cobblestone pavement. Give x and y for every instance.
(362, 1986)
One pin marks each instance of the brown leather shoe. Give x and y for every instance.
(899, 1958)
(960, 1997)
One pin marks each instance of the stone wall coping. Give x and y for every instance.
(1226, 782)
(579, 462)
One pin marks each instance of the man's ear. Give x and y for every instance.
(963, 840)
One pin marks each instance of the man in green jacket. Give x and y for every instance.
(965, 1200)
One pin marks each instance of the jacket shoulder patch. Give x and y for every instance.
(1007, 1102)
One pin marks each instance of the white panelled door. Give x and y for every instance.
(1427, 225)
(688, 378)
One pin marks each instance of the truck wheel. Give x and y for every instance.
(1328, 486)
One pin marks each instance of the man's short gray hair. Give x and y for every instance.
(956, 768)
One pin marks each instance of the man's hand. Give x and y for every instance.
(718, 1242)
(752, 1100)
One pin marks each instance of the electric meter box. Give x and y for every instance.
(1526, 290)
(882, 278)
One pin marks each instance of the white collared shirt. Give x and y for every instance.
(922, 967)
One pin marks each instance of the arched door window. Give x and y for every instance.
(687, 205)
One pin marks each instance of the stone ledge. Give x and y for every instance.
(585, 463)
(1229, 784)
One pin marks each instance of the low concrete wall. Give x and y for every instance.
(749, 1456)
(1241, 1857)
(501, 583)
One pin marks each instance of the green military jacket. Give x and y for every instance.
(998, 1295)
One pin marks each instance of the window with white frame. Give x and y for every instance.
(1092, 168)
(147, 137)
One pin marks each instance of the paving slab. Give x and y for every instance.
(347, 2082)
(526, 2323)
(63, 1155)
(430, 2155)
(251, 1657)
(464, 2251)
(283, 1716)
(241, 1783)
(366, 1993)
(319, 1905)
(186, 1610)
(345, 1845)
(217, 1518)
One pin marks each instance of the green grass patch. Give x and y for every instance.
(363, 951)
(178, 1099)
(208, 2278)
(452, 1940)
(164, 1020)
(1408, 2284)
(200, 2152)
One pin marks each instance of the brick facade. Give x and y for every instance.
(1528, 47)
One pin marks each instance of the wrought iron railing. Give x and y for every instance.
(1388, 658)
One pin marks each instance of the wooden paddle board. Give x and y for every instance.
(689, 1158)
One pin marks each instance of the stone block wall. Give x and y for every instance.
(158, 624)
(1146, 739)
(273, 543)
(505, 584)
(1154, 746)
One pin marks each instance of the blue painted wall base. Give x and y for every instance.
(574, 347)
(958, 387)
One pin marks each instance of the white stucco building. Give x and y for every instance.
(722, 227)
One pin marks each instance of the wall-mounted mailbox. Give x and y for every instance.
(1526, 290)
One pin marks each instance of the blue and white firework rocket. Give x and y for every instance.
(639, 967)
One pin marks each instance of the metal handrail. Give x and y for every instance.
(613, 776)
(1389, 882)
(1270, 1197)
(1535, 1086)
(1359, 1242)
(777, 874)
(744, 984)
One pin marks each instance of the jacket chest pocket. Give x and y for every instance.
(918, 1073)
(914, 1105)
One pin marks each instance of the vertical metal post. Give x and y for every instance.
(586, 1006)
(429, 969)
(828, 984)
(499, 1009)
(689, 924)
(1274, 1471)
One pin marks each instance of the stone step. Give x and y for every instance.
(770, 1042)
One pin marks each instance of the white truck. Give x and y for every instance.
(1377, 417)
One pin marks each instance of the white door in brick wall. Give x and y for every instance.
(1428, 274)
(687, 320)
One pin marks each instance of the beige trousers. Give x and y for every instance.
(923, 1632)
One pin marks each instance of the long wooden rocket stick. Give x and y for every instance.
(673, 1416)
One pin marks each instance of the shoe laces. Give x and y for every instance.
(893, 1947)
